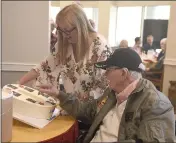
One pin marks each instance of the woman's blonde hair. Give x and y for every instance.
(75, 16)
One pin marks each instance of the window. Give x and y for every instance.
(128, 24)
(155, 23)
(92, 13)
(157, 12)
(112, 26)
(53, 12)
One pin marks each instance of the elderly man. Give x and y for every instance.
(123, 44)
(131, 109)
(149, 45)
(160, 59)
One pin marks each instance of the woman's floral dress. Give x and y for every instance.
(82, 79)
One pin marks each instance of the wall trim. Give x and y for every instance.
(9, 66)
(171, 62)
(141, 3)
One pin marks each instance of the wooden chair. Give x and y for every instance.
(172, 94)
(158, 82)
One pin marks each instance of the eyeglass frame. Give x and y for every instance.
(66, 32)
(108, 70)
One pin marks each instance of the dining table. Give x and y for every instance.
(62, 129)
(148, 60)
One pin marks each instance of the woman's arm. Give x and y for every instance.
(46, 66)
(31, 75)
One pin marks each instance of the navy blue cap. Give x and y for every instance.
(123, 58)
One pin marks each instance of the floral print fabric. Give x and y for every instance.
(82, 79)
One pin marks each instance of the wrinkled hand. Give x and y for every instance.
(49, 89)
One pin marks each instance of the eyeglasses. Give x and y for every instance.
(66, 32)
(108, 70)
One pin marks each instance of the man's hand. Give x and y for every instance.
(49, 89)
(147, 69)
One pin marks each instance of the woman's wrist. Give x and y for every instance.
(21, 82)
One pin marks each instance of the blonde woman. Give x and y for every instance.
(78, 48)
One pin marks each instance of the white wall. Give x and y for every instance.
(25, 36)
(0, 36)
(170, 60)
(141, 3)
(157, 12)
(0, 68)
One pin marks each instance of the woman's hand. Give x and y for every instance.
(49, 89)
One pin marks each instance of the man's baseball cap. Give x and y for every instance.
(123, 58)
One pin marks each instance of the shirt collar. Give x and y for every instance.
(122, 96)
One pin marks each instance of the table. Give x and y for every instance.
(148, 61)
(149, 64)
(61, 129)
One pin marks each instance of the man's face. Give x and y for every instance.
(123, 44)
(114, 77)
(139, 43)
(150, 40)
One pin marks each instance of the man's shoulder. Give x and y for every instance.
(152, 95)
(145, 45)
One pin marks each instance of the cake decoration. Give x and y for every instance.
(11, 86)
(30, 102)
(29, 89)
(43, 94)
(16, 93)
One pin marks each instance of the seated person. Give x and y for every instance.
(130, 110)
(149, 45)
(160, 59)
(123, 44)
(137, 47)
(163, 48)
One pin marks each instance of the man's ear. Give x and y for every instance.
(124, 73)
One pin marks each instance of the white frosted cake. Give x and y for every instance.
(30, 102)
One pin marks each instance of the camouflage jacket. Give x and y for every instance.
(148, 116)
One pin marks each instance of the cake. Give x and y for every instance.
(30, 102)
